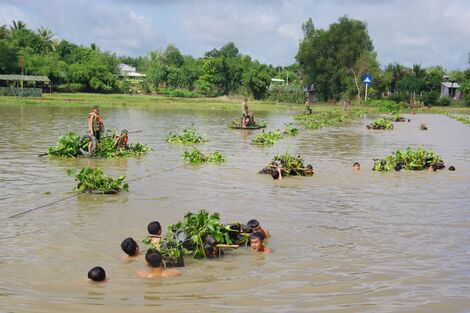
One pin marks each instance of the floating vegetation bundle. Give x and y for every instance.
(267, 139)
(237, 124)
(71, 146)
(199, 235)
(410, 160)
(290, 166)
(291, 130)
(395, 117)
(94, 181)
(320, 120)
(461, 119)
(380, 123)
(196, 156)
(188, 136)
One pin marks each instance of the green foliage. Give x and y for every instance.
(381, 123)
(267, 139)
(179, 93)
(69, 146)
(238, 124)
(319, 120)
(188, 136)
(326, 57)
(465, 89)
(197, 157)
(462, 119)
(418, 159)
(94, 180)
(290, 165)
(385, 106)
(291, 130)
(287, 94)
(197, 227)
(443, 101)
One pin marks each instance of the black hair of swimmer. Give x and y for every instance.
(398, 167)
(310, 167)
(153, 258)
(97, 274)
(451, 168)
(252, 224)
(434, 167)
(258, 235)
(356, 163)
(154, 228)
(129, 246)
(275, 174)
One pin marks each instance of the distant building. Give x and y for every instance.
(311, 93)
(450, 89)
(129, 71)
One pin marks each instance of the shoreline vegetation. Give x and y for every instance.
(226, 103)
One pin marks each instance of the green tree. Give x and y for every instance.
(257, 80)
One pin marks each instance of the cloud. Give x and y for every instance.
(427, 32)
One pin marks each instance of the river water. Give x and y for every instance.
(343, 241)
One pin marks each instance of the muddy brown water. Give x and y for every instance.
(342, 241)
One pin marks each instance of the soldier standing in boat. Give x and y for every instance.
(95, 125)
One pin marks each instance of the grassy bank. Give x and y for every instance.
(219, 103)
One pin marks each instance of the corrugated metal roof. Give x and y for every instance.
(450, 85)
(30, 78)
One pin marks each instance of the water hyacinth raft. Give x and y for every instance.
(197, 157)
(380, 124)
(198, 235)
(267, 138)
(72, 146)
(187, 136)
(409, 159)
(95, 181)
(237, 125)
(290, 166)
(324, 119)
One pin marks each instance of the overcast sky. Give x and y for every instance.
(426, 32)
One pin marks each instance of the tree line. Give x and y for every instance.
(334, 60)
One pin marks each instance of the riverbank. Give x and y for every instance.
(228, 103)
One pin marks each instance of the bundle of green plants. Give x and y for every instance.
(319, 120)
(238, 124)
(396, 117)
(380, 123)
(196, 156)
(200, 232)
(291, 130)
(95, 181)
(187, 136)
(71, 145)
(290, 165)
(461, 119)
(267, 138)
(409, 159)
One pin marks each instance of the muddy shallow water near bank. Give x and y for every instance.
(342, 241)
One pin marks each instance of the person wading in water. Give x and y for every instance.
(95, 125)
(120, 142)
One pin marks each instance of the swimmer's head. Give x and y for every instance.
(130, 247)
(97, 274)
(253, 225)
(356, 166)
(275, 173)
(154, 228)
(153, 258)
(451, 168)
(256, 240)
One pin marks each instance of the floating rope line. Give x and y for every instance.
(66, 198)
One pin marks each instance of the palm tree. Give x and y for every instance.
(17, 25)
(45, 34)
(4, 32)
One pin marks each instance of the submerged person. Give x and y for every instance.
(120, 142)
(154, 262)
(95, 125)
(276, 173)
(356, 166)
(257, 244)
(245, 121)
(130, 247)
(97, 274)
(155, 233)
(254, 226)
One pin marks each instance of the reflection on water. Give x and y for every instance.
(343, 241)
